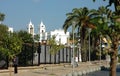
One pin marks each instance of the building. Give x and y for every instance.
(61, 36)
(10, 29)
(30, 28)
(42, 32)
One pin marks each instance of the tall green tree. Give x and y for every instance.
(116, 5)
(109, 27)
(103, 14)
(113, 32)
(28, 48)
(82, 17)
(11, 45)
(25, 36)
(3, 31)
(54, 46)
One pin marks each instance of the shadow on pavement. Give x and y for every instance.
(118, 69)
(108, 69)
(103, 68)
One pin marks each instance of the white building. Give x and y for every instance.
(42, 32)
(61, 36)
(31, 28)
(10, 29)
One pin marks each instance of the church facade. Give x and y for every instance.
(61, 36)
(30, 28)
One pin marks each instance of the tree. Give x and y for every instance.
(82, 18)
(25, 36)
(54, 46)
(116, 5)
(3, 31)
(109, 27)
(28, 48)
(103, 14)
(10, 47)
(112, 30)
(2, 16)
(10, 43)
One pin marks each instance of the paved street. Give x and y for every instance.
(52, 70)
(104, 72)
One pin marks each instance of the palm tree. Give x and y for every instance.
(99, 21)
(82, 17)
(113, 32)
(109, 26)
(116, 5)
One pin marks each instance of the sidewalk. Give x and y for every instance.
(55, 69)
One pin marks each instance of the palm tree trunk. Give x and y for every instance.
(83, 44)
(113, 65)
(113, 55)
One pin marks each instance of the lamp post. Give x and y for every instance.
(73, 27)
(39, 51)
(32, 32)
(89, 30)
(100, 48)
(33, 49)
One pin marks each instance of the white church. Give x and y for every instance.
(61, 36)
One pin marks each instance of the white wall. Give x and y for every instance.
(61, 36)
(10, 29)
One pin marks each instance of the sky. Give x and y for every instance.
(18, 13)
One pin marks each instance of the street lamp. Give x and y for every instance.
(100, 48)
(39, 51)
(79, 48)
(73, 27)
(89, 30)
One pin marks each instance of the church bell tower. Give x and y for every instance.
(42, 31)
(31, 28)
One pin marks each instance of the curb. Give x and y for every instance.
(84, 72)
(42, 66)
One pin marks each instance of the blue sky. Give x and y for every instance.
(51, 12)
